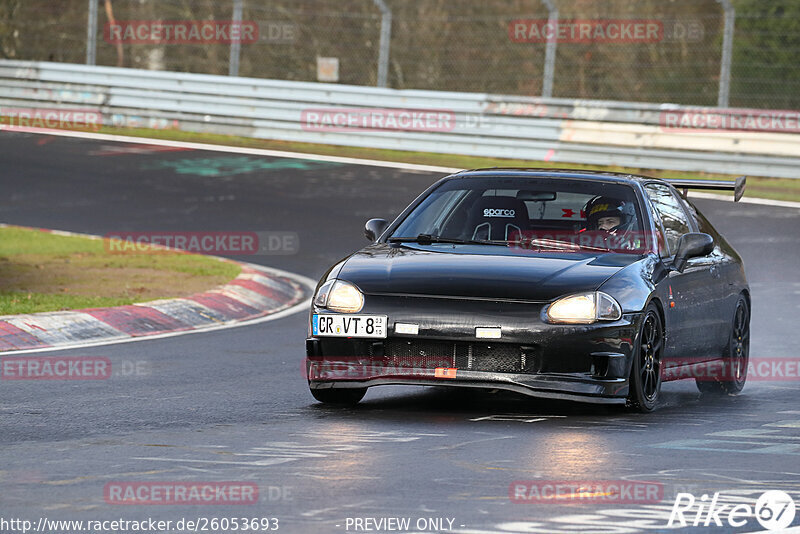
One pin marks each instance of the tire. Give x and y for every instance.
(645, 379)
(339, 396)
(736, 358)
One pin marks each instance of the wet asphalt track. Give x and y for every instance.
(233, 406)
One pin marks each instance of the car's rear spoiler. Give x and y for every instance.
(736, 186)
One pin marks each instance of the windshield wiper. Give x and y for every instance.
(427, 239)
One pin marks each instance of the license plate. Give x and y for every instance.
(349, 325)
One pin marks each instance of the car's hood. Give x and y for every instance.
(478, 271)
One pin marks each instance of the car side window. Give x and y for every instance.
(663, 251)
(671, 213)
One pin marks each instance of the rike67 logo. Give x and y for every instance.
(774, 510)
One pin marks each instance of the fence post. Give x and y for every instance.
(727, 54)
(550, 50)
(386, 37)
(91, 34)
(236, 44)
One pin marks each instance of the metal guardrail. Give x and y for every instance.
(555, 130)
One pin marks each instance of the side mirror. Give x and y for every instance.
(692, 245)
(374, 228)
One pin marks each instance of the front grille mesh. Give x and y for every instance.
(499, 358)
(404, 353)
(486, 357)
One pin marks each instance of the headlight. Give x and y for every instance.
(321, 299)
(584, 308)
(340, 296)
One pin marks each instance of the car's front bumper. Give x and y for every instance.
(590, 363)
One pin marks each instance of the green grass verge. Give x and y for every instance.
(760, 187)
(41, 271)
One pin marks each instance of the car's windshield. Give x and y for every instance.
(530, 213)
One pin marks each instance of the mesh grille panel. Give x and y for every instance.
(497, 358)
(419, 354)
(429, 354)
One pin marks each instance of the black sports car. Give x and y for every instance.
(588, 286)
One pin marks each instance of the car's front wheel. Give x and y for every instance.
(645, 381)
(339, 396)
(737, 358)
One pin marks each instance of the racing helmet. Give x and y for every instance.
(600, 207)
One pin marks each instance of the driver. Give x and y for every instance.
(613, 217)
(609, 214)
(607, 223)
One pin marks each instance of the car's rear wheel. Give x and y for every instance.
(737, 358)
(339, 396)
(645, 381)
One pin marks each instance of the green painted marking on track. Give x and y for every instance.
(232, 165)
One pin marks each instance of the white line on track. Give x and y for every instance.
(320, 157)
(237, 149)
(790, 530)
(760, 201)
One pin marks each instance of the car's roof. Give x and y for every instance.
(519, 172)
